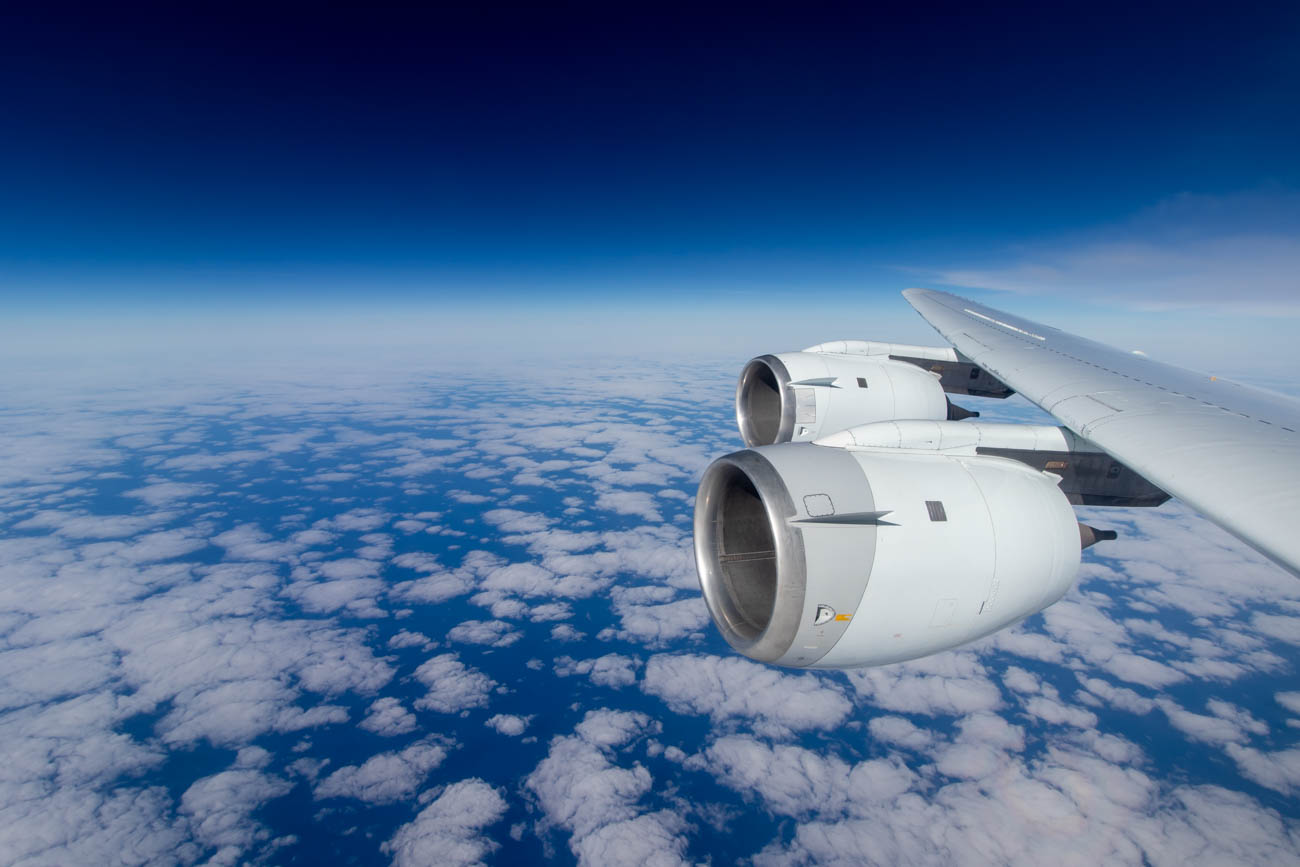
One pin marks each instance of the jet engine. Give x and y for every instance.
(799, 396)
(814, 556)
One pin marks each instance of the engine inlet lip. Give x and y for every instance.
(777, 635)
(754, 431)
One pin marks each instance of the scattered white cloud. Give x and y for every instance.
(452, 685)
(406, 638)
(951, 683)
(508, 724)
(612, 669)
(165, 493)
(219, 809)
(496, 633)
(384, 778)
(122, 641)
(565, 632)
(729, 688)
(449, 830)
(580, 788)
(387, 717)
(658, 625)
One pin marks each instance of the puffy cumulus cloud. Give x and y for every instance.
(658, 624)
(70, 787)
(232, 713)
(378, 546)
(250, 542)
(1051, 710)
(199, 461)
(659, 552)
(164, 493)
(1278, 770)
(99, 643)
(652, 838)
(607, 728)
(1288, 700)
(1016, 678)
(951, 683)
(1172, 559)
(1227, 725)
(637, 503)
(406, 638)
(439, 584)
(358, 597)
(900, 732)
(547, 474)
(413, 463)
(1092, 633)
(550, 611)
(384, 778)
(508, 724)
(348, 568)
(496, 633)
(147, 548)
(449, 830)
(1119, 697)
(515, 521)
(452, 685)
(793, 781)
(220, 807)
(197, 646)
(361, 520)
(387, 717)
(78, 826)
(728, 689)
(500, 605)
(978, 797)
(83, 525)
(231, 679)
(467, 497)
(612, 669)
(565, 632)
(1018, 812)
(530, 579)
(991, 730)
(581, 789)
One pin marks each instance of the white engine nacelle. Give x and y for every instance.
(819, 557)
(800, 396)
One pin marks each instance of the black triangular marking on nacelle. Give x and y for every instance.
(820, 382)
(850, 519)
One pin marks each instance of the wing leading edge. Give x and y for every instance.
(1229, 451)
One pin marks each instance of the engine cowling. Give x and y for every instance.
(800, 396)
(818, 557)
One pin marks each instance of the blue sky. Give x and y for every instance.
(606, 163)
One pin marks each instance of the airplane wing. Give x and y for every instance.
(1230, 451)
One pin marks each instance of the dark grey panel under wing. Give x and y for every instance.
(1089, 478)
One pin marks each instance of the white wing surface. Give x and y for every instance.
(1230, 451)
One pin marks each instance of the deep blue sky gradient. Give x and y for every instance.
(175, 154)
